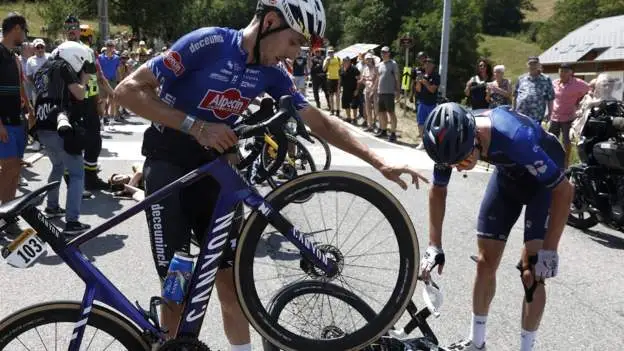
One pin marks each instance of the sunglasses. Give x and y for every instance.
(71, 26)
(39, 47)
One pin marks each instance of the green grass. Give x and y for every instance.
(511, 52)
(545, 9)
(35, 22)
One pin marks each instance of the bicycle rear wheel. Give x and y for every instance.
(301, 161)
(321, 153)
(250, 265)
(24, 329)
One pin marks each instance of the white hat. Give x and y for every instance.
(38, 41)
(142, 42)
(369, 56)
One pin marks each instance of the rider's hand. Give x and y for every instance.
(4, 135)
(434, 256)
(547, 265)
(394, 173)
(214, 135)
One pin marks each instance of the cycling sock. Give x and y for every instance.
(245, 347)
(477, 331)
(527, 340)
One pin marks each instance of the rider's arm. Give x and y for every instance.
(528, 153)
(138, 91)
(437, 203)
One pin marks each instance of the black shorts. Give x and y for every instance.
(385, 102)
(332, 86)
(349, 101)
(171, 220)
(502, 205)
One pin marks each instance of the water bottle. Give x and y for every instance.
(178, 277)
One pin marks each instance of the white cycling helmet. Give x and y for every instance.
(76, 54)
(304, 16)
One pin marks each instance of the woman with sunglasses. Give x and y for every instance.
(529, 172)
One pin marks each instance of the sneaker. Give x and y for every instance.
(35, 146)
(392, 138)
(54, 212)
(465, 345)
(75, 228)
(381, 134)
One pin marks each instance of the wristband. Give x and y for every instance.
(187, 124)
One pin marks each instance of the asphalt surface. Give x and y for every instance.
(585, 310)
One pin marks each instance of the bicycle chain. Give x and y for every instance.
(184, 344)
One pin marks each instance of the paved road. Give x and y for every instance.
(585, 310)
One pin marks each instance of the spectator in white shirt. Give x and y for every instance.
(35, 62)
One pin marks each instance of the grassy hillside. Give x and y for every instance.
(35, 22)
(544, 11)
(510, 52)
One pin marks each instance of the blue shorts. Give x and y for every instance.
(501, 207)
(16, 145)
(423, 113)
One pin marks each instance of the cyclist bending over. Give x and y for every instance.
(529, 172)
(207, 78)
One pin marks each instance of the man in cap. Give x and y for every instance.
(388, 89)
(319, 77)
(332, 67)
(533, 92)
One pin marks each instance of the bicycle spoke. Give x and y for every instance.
(322, 217)
(40, 338)
(107, 346)
(92, 337)
(365, 235)
(358, 221)
(360, 291)
(373, 254)
(367, 267)
(26, 347)
(372, 247)
(345, 216)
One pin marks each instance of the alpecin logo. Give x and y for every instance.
(224, 103)
(173, 61)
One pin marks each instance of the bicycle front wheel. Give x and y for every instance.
(387, 289)
(49, 326)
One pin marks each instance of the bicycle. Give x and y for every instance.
(394, 340)
(138, 329)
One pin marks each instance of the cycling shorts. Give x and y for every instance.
(16, 143)
(171, 220)
(502, 204)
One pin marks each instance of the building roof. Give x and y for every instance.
(603, 38)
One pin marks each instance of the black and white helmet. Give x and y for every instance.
(304, 16)
(76, 54)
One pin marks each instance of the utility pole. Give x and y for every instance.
(446, 19)
(103, 21)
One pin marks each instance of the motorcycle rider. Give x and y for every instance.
(529, 172)
(207, 78)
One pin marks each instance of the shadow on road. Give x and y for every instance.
(98, 246)
(106, 153)
(271, 245)
(605, 239)
(103, 205)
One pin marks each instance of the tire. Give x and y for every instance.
(579, 219)
(302, 154)
(100, 317)
(297, 289)
(308, 184)
(326, 161)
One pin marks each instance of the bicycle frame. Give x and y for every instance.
(234, 189)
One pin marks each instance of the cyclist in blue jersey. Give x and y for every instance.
(529, 172)
(206, 79)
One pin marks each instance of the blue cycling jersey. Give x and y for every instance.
(205, 74)
(521, 151)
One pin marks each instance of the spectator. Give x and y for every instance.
(319, 78)
(109, 62)
(388, 89)
(426, 86)
(28, 51)
(331, 66)
(349, 77)
(369, 79)
(476, 86)
(533, 92)
(142, 52)
(569, 91)
(12, 133)
(498, 92)
(300, 72)
(133, 62)
(418, 70)
(35, 62)
(60, 86)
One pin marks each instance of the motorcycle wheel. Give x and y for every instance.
(579, 216)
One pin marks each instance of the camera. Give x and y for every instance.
(62, 123)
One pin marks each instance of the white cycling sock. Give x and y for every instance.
(527, 340)
(245, 347)
(477, 330)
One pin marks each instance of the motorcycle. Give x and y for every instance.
(599, 178)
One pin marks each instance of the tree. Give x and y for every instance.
(55, 12)
(504, 16)
(464, 40)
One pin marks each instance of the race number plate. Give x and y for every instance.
(25, 249)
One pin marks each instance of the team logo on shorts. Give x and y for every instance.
(173, 61)
(224, 104)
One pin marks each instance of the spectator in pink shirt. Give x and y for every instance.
(569, 90)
